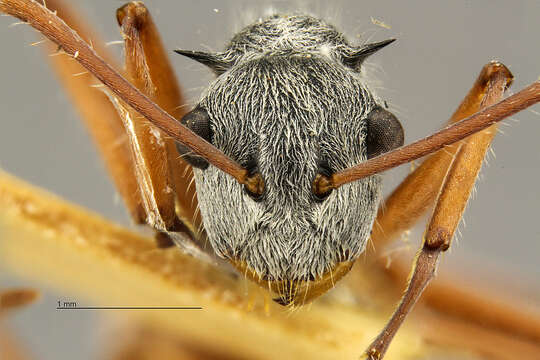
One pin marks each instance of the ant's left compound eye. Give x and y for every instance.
(197, 121)
(385, 132)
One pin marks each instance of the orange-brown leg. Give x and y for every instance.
(451, 203)
(11, 299)
(416, 194)
(409, 201)
(445, 330)
(97, 111)
(14, 298)
(164, 178)
(144, 164)
(10, 348)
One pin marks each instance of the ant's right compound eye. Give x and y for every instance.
(197, 121)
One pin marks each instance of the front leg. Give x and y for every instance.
(410, 200)
(451, 202)
(143, 162)
(163, 178)
(417, 193)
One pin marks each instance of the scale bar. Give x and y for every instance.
(130, 308)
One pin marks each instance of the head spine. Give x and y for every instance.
(273, 35)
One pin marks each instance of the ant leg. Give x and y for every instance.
(164, 178)
(449, 331)
(96, 110)
(416, 194)
(150, 200)
(451, 203)
(411, 199)
(15, 298)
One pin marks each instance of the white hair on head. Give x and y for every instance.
(289, 103)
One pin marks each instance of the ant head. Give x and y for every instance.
(290, 118)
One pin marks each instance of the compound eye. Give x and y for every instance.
(197, 121)
(385, 132)
(322, 185)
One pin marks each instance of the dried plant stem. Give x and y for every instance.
(98, 263)
(50, 25)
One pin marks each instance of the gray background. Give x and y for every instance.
(440, 49)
